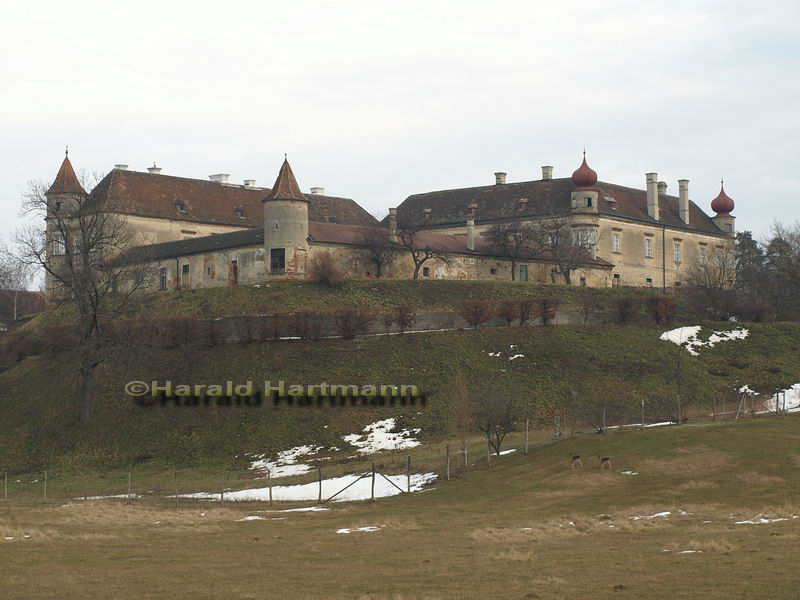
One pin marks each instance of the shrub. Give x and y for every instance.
(405, 316)
(351, 322)
(508, 310)
(476, 312)
(589, 305)
(324, 270)
(625, 307)
(525, 306)
(548, 308)
(661, 308)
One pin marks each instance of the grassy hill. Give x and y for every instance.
(711, 513)
(613, 365)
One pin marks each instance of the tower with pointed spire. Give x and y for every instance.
(66, 189)
(723, 206)
(286, 227)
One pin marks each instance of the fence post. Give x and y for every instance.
(45, 486)
(527, 427)
(130, 496)
(447, 454)
(488, 454)
(269, 483)
(466, 457)
(408, 474)
(5, 486)
(85, 488)
(319, 478)
(372, 495)
(175, 472)
(222, 489)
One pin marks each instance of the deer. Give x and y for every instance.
(576, 461)
(605, 462)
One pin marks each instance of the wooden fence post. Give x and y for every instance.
(408, 475)
(372, 495)
(85, 488)
(222, 489)
(5, 486)
(269, 483)
(527, 427)
(175, 473)
(130, 496)
(488, 454)
(466, 457)
(319, 477)
(447, 454)
(45, 486)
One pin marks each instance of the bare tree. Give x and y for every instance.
(79, 250)
(494, 412)
(709, 283)
(560, 239)
(15, 277)
(380, 250)
(411, 237)
(511, 239)
(460, 417)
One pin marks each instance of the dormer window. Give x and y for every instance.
(180, 205)
(332, 219)
(426, 213)
(471, 209)
(522, 204)
(239, 212)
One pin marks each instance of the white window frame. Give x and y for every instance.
(676, 252)
(163, 278)
(616, 242)
(648, 247)
(59, 245)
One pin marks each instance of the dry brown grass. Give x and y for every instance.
(755, 478)
(514, 555)
(693, 462)
(721, 546)
(697, 484)
(115, 514)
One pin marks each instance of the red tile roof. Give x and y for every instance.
(498, 202)
(285, 187)
(66, 181)
(159, 196)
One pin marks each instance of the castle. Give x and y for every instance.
(205, 233)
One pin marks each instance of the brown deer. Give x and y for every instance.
(576, 461)
(605, 462)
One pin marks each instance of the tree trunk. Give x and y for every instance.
(567, 277)
(416, 270)
(87, 391)
(513, 271)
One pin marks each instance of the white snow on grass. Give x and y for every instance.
(260, 518)
(511, 356)
(658, 515)
(380, 435)
(303, 509)
(687, 337)
(124, 496)
(630, 473)
(761, 520)
(359, 490)
(504, 452)
(355, 529)
(287, 462)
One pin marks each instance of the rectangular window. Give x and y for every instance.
(426, 272)
(523, 272)
(277, 260)
(676, 252)
(162, 278)
(583, 281)
(59, 247)
(648, 247)
(493, 271)
(615, 280)
(701, 255)
(648, 281)
(615, 242)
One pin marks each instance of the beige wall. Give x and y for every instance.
(155, 231)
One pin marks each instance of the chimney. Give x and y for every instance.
(154, 170)
(499, 178)
(547, 173)
(121, 167)
(662, 188)
(318, 190)
(219, 177)
(683, 200)
(652, 195)
(249, 183)
(470, 232)
(393, 225)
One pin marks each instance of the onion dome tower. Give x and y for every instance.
(584, 197)
(723, 206)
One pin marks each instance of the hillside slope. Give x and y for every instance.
(613, 365)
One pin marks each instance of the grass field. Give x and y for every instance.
(525, 527)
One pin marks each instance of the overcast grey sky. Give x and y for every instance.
(378, 100)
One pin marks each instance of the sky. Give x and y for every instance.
(378, 100)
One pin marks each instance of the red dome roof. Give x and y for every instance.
(722, 204)
(584, 177)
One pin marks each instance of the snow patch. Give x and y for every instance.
(359, 490)
(504, 452)
(664, 514)
(687, 337)
(260, 518)
(380, 435)
(287, 462)
(630, 472)
(304, 509)
(355, 529)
